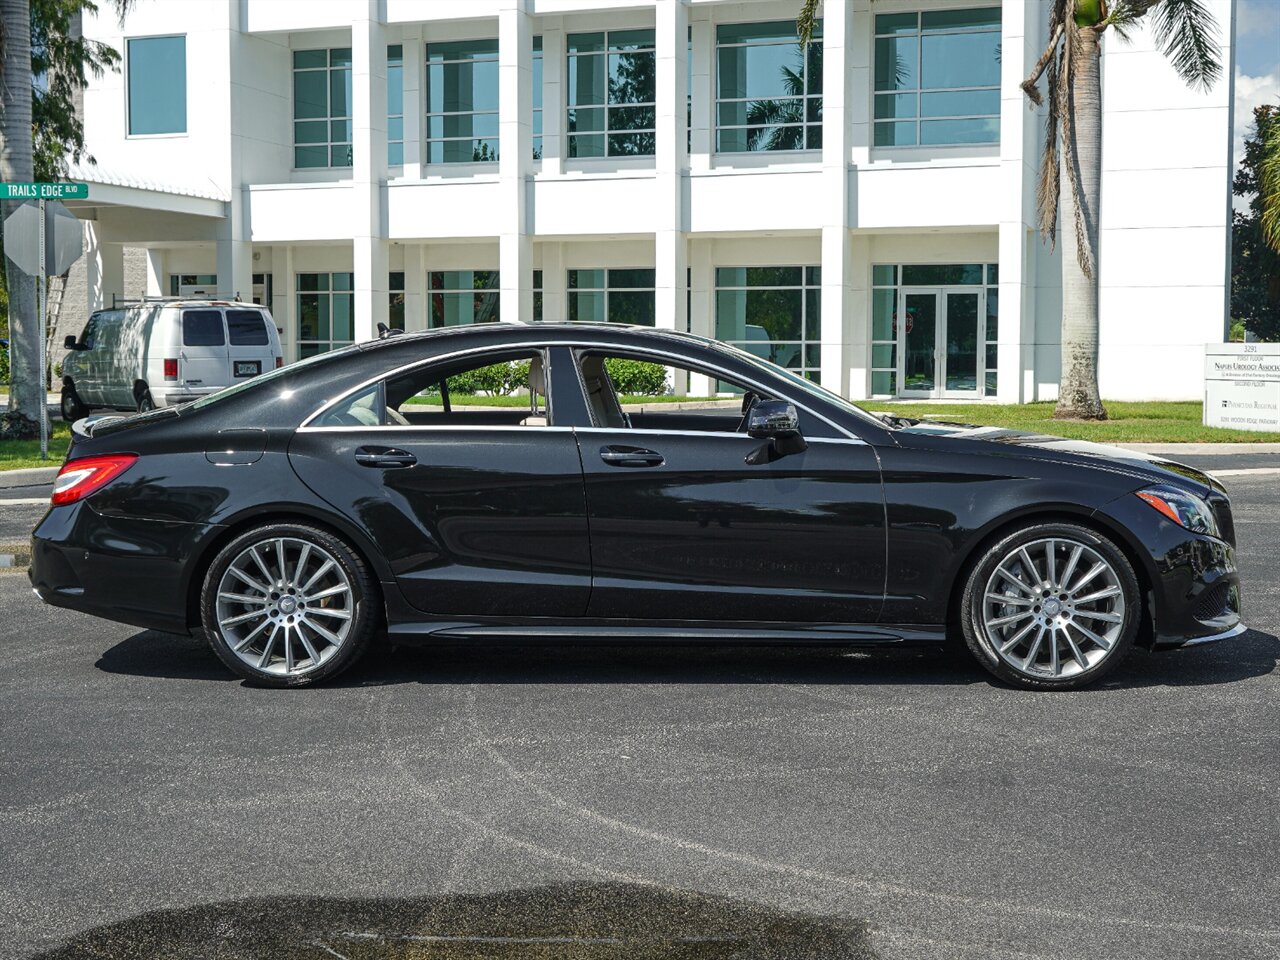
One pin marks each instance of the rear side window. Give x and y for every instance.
(247, 328)
(202, 328)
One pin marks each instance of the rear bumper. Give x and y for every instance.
(128, 570)
(171, 396)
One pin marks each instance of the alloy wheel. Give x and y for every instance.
(1053, 609)
(285, 606)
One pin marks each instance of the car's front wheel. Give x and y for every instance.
(1051, 606)
(286, 605)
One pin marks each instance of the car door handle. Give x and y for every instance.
(631, 457)
(384, 457)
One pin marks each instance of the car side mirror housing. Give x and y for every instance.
(70, 343)
(777, 422)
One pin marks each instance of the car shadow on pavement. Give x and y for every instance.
(151, 654)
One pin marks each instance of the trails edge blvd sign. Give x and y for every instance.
(44, 191)
(1242, 386)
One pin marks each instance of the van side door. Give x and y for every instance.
(202, 356)
(250, 346)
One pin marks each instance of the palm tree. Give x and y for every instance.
(1269, 187)
(1071, 164)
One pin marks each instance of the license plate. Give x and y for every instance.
(248, 368)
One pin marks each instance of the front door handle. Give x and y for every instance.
(617, 456)
(384, 457)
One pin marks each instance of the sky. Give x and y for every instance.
(1257, 63)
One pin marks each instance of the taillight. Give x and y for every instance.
(171, 368)
(79, 478)
(279, 362)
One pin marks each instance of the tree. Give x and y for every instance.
(1255, 265)
(45, 67)
(1070, 168)
(1269, 185)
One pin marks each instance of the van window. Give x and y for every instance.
(202, 328)
(247, 328)
(90, 332)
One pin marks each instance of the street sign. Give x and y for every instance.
(64, 238)
(44, 191)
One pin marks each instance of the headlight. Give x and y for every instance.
(1182, 508)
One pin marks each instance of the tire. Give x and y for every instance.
(72, 408)
(281, 636)
(143, 395)
(1063, 638)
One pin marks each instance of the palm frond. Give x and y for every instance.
(1269, 187)
(1187, 33)
(805, 22)
(1123, 14)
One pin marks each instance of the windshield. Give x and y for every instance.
(263, 379)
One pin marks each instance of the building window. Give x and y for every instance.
(460, 297)
(537, 98)
(395, 300)
(615, 296)
(774, 313)
(937, 77)
(157, 85)
(993, 328)
(537, 295)
(181, 284)
(768, 88)
(326, 312)
(462, 102)
(395, 105)
(322, 108)
(884, 330)
(611, 94)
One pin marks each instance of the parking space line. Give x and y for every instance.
(24, 502)
(1244, 472)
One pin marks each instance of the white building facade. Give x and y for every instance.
(862, 209)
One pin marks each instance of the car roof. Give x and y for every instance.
(546, 329)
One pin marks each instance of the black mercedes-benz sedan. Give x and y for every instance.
(382, 488)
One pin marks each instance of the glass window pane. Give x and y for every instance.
(632, 306)
(960, 131)
(953, 19)
(884, 303)
(884, 274)
(778, 30)
(395, 91)
(758, 315)
(304, 157)
(340, 131)
(340, 93)
(586, 279)
(588, 81)
(585, 42)
(343, 309)
(884, 383)
(960, 60)
(310, 94)
(313, 281)
(340, 156)
(882, 355)
(993, 273)
(247, 328)
(638, 279)
(157, 85)
(941, 274)
(344, 281)
(631, 77)
(631, 118)
(631, 39)
(959, 103)
(395, 128)
(631, 144)
(760, 72)
(311, 131)
(462, 50)
(896, 63)
(993, 313)
(892, 105)
(313, 316)
(340, 57)
(202, 328)
(895, 134)
(813, 276)
(896, 23)
(585, 305)
(310, 58)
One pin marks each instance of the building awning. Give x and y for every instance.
(120, 189)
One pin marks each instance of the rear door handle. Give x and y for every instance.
(384, 457)
(617, 456)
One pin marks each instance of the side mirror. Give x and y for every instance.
(768, 419)
(70, 342)
(777, 422)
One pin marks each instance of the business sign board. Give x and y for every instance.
(1242, 386)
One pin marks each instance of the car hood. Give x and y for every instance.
(1136, 463)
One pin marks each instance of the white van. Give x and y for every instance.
(160, 353)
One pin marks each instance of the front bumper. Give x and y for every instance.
(125, 569)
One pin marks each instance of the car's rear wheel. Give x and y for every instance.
(72, 408)
(286, 605)
(1051, 606)
(142, 394)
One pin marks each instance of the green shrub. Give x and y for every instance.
(495, 380)
(636, 376)
(4, 365)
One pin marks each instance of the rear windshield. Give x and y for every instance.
(202, 328)
(247, 328)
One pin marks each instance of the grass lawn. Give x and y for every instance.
(19, 454)
(1128, 423)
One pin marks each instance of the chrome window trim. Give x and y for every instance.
(306, 427)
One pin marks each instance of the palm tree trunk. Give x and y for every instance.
(1078, 393)
(26, 385)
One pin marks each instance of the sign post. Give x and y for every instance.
(38, 260)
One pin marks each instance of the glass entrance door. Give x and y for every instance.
(940, 342)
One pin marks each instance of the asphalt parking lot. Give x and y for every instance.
(638, 801)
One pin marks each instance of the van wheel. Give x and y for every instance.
(72, 408)
(145, 403)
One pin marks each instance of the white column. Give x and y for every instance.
(104, 268)
(515, 133)
(553, 100)
(671, 256)
(414, 108)
(702, 293)
(703, 87)
(157, 280)
(369, 168)
(284, 306)
(861, 56)
(415, 288)
(1015, 379)
(234, 251)
(555, 281)
(858, 306)
(837, 32)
